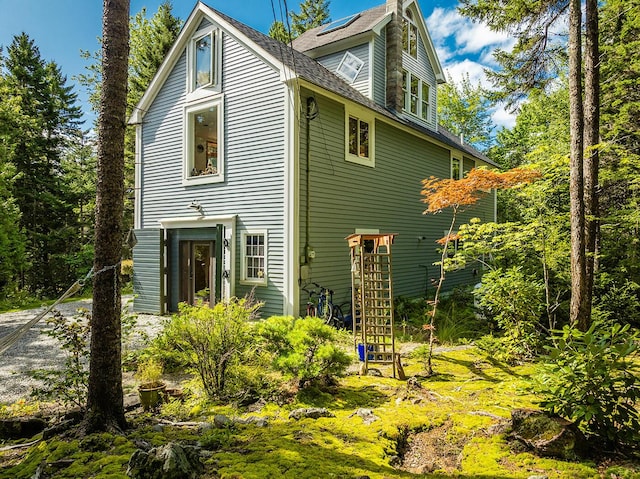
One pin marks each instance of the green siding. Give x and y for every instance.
(345, 196)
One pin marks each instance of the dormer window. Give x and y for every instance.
(410, 35)
(204, 60)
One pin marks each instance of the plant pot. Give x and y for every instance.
(151, 395)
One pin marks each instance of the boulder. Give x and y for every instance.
(171, 461)
(21, 427)
(546, 435)
(310, 412)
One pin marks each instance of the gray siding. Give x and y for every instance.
(361, 83)
(424, 70)
(147, 274)
(345, 196)
(379, 70)
(254, 159)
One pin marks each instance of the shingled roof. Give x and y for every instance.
(313, 72)
(362, 22)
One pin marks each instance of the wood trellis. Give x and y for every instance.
(372, 290)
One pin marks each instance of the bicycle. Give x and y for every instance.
(325, 308)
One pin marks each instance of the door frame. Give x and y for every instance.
(225, 246)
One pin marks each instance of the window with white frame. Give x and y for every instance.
(409, 35)
(204, 60)
(417, 94)
(360, 138)
(350, 67)
(254, 257)
(204, 142)
(456, 168)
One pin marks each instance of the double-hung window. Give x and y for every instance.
(254, 257)
(416, 95)
(456, 170)
(360, 138)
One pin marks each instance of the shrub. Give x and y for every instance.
(214, 341)
(591, 378)
(69, 385)
(619, 300)
(515, 302)
(303, 349)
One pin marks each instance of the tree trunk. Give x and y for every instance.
(591, 155)
(105, 409)
(576, 181)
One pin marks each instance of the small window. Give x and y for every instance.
(359, 140)
(410, 35)
(203, 146)
(455, 168)
(350, 67)
(254, 258)
(416, 95)
(204, 60)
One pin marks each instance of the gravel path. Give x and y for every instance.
(36, 350)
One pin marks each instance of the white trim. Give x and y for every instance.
(361, 115)
(228, 285)
(291, 240)
(429, 47)
(197, 93)
(188, 144)
(243, 258)
(137, 181)
(370, 73)
(346, 61)
(199, 12)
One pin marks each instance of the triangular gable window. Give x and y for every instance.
(410, 35)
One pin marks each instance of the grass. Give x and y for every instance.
(462, 402)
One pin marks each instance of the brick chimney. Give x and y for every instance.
(395, 96)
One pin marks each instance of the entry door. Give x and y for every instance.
(197, 267)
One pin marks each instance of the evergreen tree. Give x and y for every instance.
(40, 92)
(313, 13)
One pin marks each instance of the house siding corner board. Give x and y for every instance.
(361, 83)
(345, 196)
(254, 149)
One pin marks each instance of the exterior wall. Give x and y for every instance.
(361, 83)
(424, 70)
(148, 274)
(345, 196)
(254, 141)
(378, 70)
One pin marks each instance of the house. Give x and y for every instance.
(255, 160)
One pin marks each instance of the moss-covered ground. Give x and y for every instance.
(448, 425)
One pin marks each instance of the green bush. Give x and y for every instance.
(591, 378)
(618, 300)
(214, 342)
(303, 349)
(68, 385)
(515, 302)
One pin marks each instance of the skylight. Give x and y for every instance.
(338, 24)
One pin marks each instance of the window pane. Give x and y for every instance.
(364, 139)
(204, 127)
(424, 110)
(455, 169)
(405, 36)
(353, 136)
(405, 90)
(413, 41)
(415, 82)
(203, 61)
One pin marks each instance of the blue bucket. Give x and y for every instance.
(361, 352)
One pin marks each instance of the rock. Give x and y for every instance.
(538, 477)
(21, 427)
(548, 436)
(257, 406)
(310, 412)
(158, 428)
(220, 420)
(366, 414)
(171, 461)
(258, 421)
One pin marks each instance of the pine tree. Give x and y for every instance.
(313, 13)
(40, 191)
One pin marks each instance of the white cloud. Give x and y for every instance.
(502, 117)
(475, 70)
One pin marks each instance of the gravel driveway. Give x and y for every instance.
(36, 350)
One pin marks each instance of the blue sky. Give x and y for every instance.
(62, 28)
